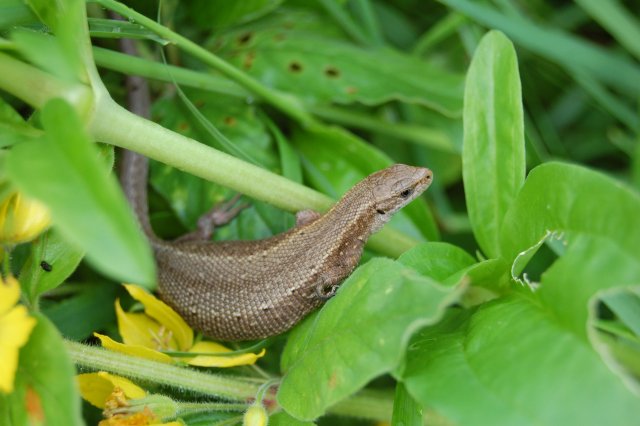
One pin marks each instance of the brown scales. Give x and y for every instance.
(243, 290)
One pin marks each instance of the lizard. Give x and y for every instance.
(246, 290)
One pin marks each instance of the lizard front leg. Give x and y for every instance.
(219, 215)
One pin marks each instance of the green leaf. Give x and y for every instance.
(67, 21)
(571, 199)
(626, 306)
(65, 173)
(589, 266)
(13, 129)
(45, 388)
(406, 411)
(61, 260)
(358, 335)
(436, 260)
(221, 13)
(508, 353)
(558, 46)
(91, 302)
(321, 69)
(47, 52)
(493, 162)
(14, 13)
(498, 366)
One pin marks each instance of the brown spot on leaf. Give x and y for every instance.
(248, 60)
(183, 126)
(332, 72)
(230, 121)
(351, 90)
(295, 66)
(34, 407)
(279, 37)
(333, 380)
(199, 103)
(245, 39)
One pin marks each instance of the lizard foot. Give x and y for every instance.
(325, 291)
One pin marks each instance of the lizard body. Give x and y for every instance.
(242, 290)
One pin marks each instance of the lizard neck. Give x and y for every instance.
(353, 217)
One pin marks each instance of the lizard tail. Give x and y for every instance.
(134, 168)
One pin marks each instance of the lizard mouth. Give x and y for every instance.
(424, 178)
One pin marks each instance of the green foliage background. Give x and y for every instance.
(511, 291)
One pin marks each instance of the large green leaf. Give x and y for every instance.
(496, 365)
(65, 172)
(571, 199)
(45, 387)
(493, 165)
(501, 365)
(358, 335)
(323, 69)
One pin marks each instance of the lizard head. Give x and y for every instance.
(395, 187)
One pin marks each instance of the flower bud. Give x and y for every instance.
(255, 415)
(22, 219)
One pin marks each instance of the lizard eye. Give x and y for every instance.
(406, 193)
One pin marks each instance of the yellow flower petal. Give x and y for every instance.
(15, 328)
(22, 219)
(134, 350)
(97, 387)
(9, 293)
(142, 330)
(166, 316)
(220, 361)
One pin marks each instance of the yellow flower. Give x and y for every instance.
(160, 328)
(22, 219)
(124, 403)
(15, 328)
(97, 388)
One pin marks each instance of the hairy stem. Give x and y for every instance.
(226, 387)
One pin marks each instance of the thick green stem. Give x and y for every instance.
(36, 87)
(115, 125)
(227, 387)
(285, 103)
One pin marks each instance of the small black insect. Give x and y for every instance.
(46, 266)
